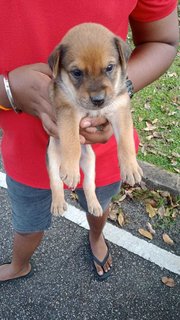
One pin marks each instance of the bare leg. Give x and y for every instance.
(97, 242)
(23, 248)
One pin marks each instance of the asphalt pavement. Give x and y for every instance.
(64, 285)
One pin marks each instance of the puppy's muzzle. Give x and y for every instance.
(98, 99)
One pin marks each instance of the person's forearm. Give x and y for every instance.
(148, 62)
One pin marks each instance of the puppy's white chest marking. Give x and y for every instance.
(110, 111)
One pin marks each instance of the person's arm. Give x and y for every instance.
(30, 90)
(155, 49)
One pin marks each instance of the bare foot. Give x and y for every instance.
(9, 271)
(99, 250)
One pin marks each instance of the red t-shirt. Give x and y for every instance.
(29, 30)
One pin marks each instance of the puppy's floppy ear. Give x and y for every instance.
(123, 51)
(55, 59)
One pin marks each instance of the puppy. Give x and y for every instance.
(89, 73)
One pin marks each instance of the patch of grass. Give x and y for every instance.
(156, 115)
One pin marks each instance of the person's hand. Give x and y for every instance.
(95, 130)
(30, 90)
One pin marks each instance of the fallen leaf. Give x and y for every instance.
(129, 193)
(168, 281)
(167, 212)
(161, 211)
(74, 196)
(175, 213)
(150, 210)
(172, 113)
(147, 106)
(149, 137)
(164, 194)
(122, 198)
(155, 121)
(143, 185)
(175, 154)
(167, 239)
(113, 215)
(150, 228)
(157, 135)
(152, 151)
(172, 74)
(149, 126)
(169, 140)
(173, 163)
(145, 233)
(121, 220)
(143, 150)
(161, 153)
(152, 202)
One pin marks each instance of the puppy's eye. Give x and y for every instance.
(110, 68)
(76, 73)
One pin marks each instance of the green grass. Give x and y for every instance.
(159, 102)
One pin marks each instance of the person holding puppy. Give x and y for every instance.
(27, 117)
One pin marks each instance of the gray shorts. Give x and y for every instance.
(31, 206)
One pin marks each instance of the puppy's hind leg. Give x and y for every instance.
(58, 205)
(87, 164)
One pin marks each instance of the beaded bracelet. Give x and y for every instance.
(9, 93)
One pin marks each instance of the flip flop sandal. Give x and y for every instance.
(106, 274)
(28, 275)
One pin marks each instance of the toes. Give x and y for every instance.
(110, 260)
(99, 269)
(108, 264)
(106, 267)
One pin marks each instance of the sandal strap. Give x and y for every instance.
(102, 263)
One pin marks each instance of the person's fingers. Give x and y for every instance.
(102, 127)
(97, 136)
(92, 122)
(49, 126)
(82, 139)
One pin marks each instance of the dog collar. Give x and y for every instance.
(130, 88)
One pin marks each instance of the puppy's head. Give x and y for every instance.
(89, 66)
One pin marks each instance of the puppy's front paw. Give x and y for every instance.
(131, 172)
(70, 175)
(95, 208)
(58, 207)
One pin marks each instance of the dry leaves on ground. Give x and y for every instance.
(145, 233)
(161, 207)
(167, 239)
(168, 281)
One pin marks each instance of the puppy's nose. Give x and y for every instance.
(97, 100)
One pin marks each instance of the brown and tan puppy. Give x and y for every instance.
(89, 73)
